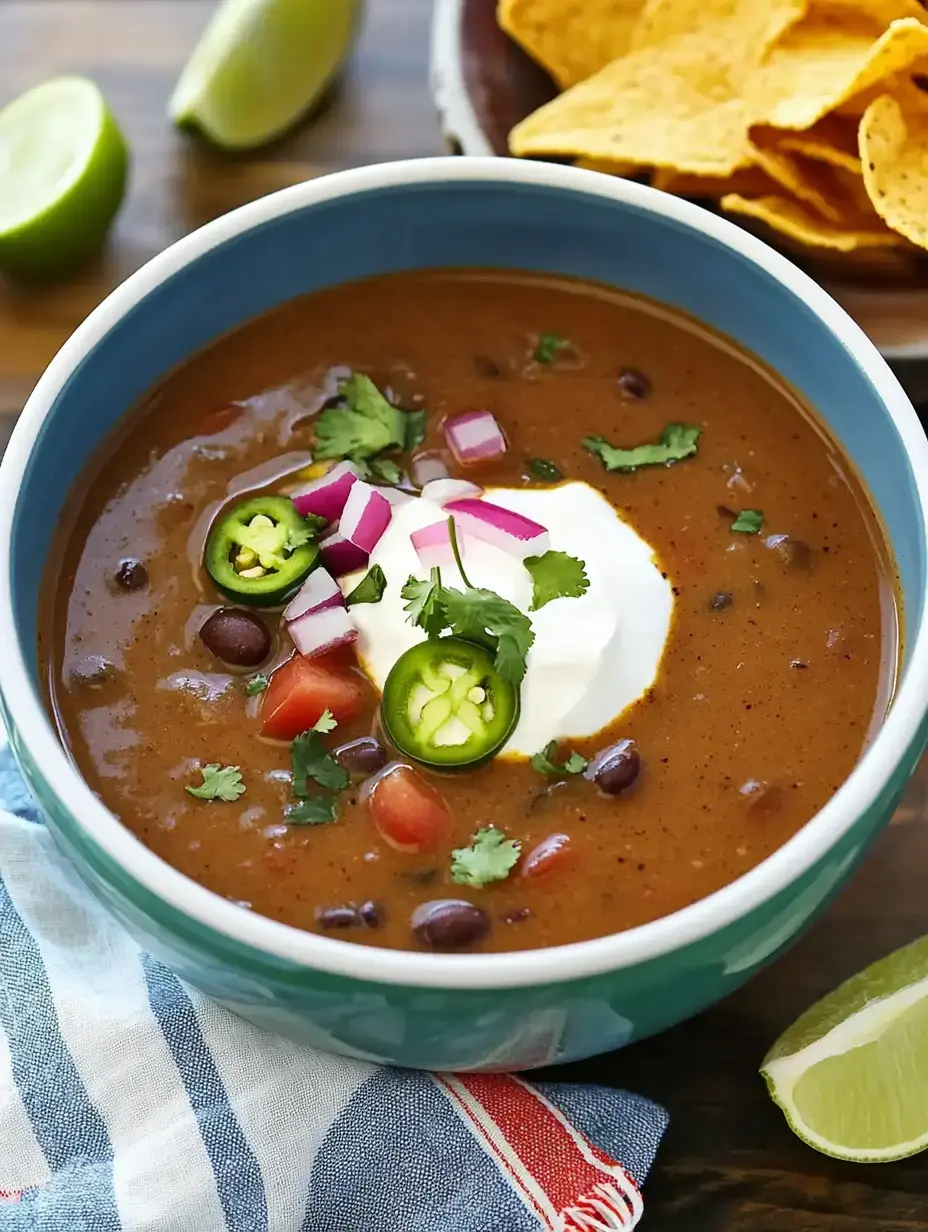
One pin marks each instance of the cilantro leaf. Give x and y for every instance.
(310, 759)
(367, 424)
(326, 722)
(544, 470)
(370, 588)
(425, 603)
(481, 616)
(677, 441)
(491, 857)
(316, 811)
(555, 575)
(544, 762)
(219, 783)
(548, 347)
(415, 428)
(297, 536)
(257, 684)
(387, 470)
(748, 521)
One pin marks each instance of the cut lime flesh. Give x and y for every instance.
(63, 167)
(260, 65)
(851, 1074)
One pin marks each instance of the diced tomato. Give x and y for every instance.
(302, 689)
(408, 812)
(550, 855)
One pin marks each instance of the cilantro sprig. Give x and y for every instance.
(555, 575)
(257, 684)
(370, 589)
(219, 783)
(748, 522)
(545, 762)
(490, 857)
(364, 424)
(676, 442)
(475, 614)
(311, 761)
(548, 346)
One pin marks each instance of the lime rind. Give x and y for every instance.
(64, 164)
(260, 65)
(851, 1075)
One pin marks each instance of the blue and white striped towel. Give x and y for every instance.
(130, 1103)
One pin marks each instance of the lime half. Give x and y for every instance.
(851, 1074)
(63, 163)
(259, 65)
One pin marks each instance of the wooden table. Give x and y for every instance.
(729, 1163)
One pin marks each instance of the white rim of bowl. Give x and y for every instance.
(519, 968)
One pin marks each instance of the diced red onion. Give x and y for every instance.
(433, 545)
(430, 465)
(316, 633)
(515, 534)
(440, 491)
(396, 496)
(341, 555)
(365, 517)
(474, 437)
(319, 592)
(326, 497)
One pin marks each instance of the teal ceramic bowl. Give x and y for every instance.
(459, 1011)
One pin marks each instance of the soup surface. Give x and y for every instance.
(715, 616)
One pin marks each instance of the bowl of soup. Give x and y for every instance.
(466, 614)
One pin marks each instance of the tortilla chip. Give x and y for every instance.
(571, 39)
(800, 224)
(604, 167)
(833, 141)
(821, 63)
(894, 150)
(675, 102)
(879, 12)
(802, 180)
(746, 182)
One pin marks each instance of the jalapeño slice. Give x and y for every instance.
(260, 550)
(445, 704)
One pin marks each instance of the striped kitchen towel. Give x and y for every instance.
(130, 1103)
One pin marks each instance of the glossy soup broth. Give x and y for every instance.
(780, 661)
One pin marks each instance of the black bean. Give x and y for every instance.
(614, 768)
(363, 756)
(486, 368)
(131, 574)
(633, 384)
(720, 600)
(449, 923)
(370, 914)
(337, 917)
(795, 553)
(236, 637)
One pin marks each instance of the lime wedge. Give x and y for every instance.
(260, 65)
(63, 163)
(851, 1074)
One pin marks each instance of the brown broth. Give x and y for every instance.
(760, 710)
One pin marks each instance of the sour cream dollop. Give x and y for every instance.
(592, 656)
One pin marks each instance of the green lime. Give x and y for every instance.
(260, 65)
(63, 164)
(851, 1074)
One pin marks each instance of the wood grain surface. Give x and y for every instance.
(729, 1163)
